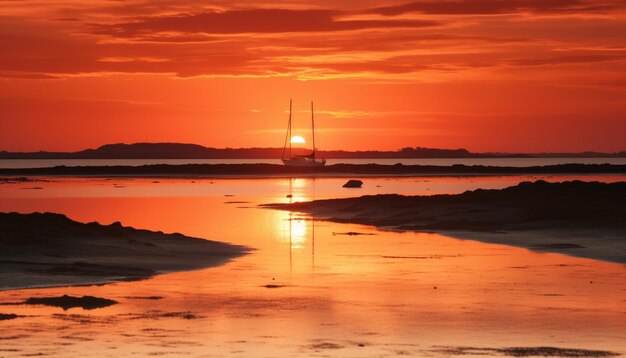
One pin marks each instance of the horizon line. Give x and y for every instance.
(321, 150)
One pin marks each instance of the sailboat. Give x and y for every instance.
(308, 160)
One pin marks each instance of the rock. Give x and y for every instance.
(352, 183)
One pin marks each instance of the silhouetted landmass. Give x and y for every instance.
(48, 249)
(8, 316)
(526, 205)
(524, 352)
(583, 216)
(66, 302)
(329, 170)
(194, 151)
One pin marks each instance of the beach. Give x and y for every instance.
(46, 249)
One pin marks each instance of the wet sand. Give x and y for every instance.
(579, 218)
(43, 250)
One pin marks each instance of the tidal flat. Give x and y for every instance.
(583, 218)
(306, 290)
(47, 249)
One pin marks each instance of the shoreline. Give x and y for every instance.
(17, 178)
(601, 245)
(583, 219)
(43, 250)
(333, 171)
(104, 282)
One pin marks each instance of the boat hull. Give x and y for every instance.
(304, 163)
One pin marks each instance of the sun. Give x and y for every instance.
(297, 140)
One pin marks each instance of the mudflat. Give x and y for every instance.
(585, 219)
(46, 249)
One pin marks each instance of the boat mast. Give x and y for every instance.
(288, 135)
(313, 129)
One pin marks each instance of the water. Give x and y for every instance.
(383, 295)
(510, 162)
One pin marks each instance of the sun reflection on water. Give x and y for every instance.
(298, 233)
(299, 189)
(294, 228)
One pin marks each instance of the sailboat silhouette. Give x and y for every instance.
(308, 160)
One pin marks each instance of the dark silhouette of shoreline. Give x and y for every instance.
(194, 151)
(579, 218)
(336, 170)
(523, 206)
(46, 249)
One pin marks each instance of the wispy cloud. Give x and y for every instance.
(341, 114)
(419, 41)
(497, 7)
(253, 21)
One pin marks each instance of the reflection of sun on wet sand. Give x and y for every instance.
(579, 218)
(39, 250)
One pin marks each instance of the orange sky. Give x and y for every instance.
(486, 75)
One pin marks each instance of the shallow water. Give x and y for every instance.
(386, 294)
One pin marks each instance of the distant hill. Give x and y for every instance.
(194, 151)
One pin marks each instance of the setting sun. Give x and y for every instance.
(297, 140)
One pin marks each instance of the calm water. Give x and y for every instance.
(511, 162)
(383, 295)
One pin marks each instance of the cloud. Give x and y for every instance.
(493, 7)
(341, 114)
(570, 59)
(33, 50)
(253, 21)
(27, 75)
(327, 40)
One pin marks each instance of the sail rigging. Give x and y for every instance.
(309, 160)
(288, 135)
(313, 129)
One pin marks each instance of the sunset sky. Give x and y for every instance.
(486, 75)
